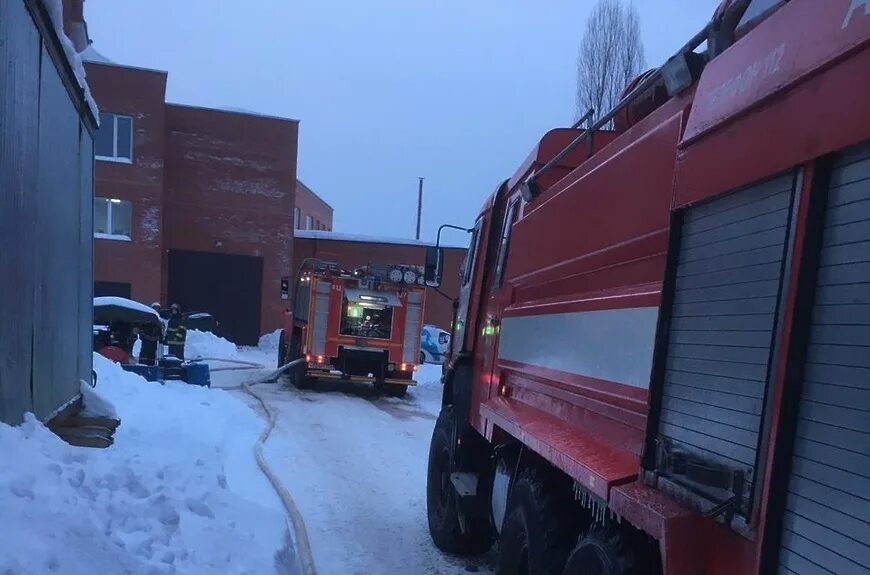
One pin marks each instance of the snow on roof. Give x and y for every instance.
(55, 11)
(90, 54)
(123, 302)
(339, 237)
(231, 110)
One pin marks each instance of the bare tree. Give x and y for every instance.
(611, 54)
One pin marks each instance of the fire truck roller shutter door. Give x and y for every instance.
(321, 318)
(827, 517)
(413, 327)
(723, 324)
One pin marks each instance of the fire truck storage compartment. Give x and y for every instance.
(826, 527)
(721, 331)
(321, 317)
(413, 327)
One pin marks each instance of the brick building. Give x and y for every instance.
(311, 212)
(352, 251)
(192, 205)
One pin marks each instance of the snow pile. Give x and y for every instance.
(94, 404)
(204, 344)
(55, 11)
(179, 492)
(124, 302)
(270, 341)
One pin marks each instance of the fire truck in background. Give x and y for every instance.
(361, 326)
(661, 352)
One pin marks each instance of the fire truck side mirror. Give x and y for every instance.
(432, 269)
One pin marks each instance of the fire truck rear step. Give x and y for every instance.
(596, 465)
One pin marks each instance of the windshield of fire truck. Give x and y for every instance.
(361, 319)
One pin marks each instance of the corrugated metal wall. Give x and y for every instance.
(46, 204)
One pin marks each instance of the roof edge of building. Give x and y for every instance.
(321, 235)
(126, 66)
(315, 194)
(234, 112)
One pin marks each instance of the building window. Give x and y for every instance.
(114, 141)
(297, 216)
(112, 219)
(309, 222)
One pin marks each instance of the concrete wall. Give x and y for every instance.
(140, 94)
(230, 188)
(310, 204)
(351, 254)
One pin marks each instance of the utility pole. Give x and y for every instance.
(419, 206)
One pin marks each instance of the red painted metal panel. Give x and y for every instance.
(595, 464)
(796, 41)
(778, 387)
(592, 208)
(806, 122)
(645, 295)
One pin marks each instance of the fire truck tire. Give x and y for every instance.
(602, 552)
(397, 390)
(538, 531)
(442, 506)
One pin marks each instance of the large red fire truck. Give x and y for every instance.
(361, 326)
(661, 351)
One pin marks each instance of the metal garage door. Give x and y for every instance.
(722, 329)
(827, 518)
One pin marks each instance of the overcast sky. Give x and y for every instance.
(457, 91)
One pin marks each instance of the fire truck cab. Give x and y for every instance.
(660, 361)
(361, 326)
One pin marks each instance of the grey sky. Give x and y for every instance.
(457, 91)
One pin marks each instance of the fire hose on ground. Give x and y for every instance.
(297, 523)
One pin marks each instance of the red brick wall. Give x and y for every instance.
(140, 94)
(439, 310)
(230, 187)
(310, 204)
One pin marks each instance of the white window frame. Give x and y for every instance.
(111, 236)
(297, 218)
(115, 158)
(309, 222)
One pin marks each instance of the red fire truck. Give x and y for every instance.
(362, 326)
(661, 351)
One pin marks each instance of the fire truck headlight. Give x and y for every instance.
(410, 277)
(404, 367)
(319, 359)
(307, 359)
(391, 367)
(395, 275)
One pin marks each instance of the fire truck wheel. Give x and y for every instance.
(397, 390)
(442, 506)
(601, 552)
(538, 531)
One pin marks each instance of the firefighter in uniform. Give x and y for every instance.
(176, 333)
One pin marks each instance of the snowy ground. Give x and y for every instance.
(355, 463)
(178, 492)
